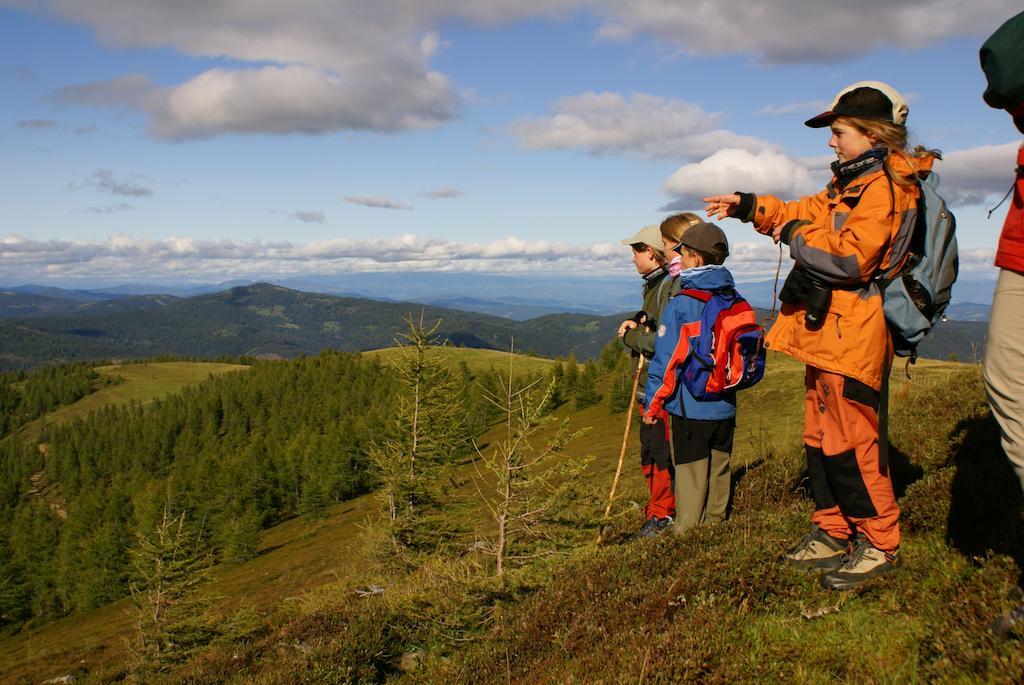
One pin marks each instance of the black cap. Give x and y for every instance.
(864, 100)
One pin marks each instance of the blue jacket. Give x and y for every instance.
(663, 390)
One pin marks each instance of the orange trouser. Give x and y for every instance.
(656, 463)
(852, 489)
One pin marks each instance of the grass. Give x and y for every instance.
(479, 360)
(141, 383)
(713, 605)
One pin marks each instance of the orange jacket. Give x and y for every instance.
(844, 237)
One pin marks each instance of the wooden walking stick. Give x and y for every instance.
(622, 452)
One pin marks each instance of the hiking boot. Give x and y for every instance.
(865, 562)
(1011, 621)
(1011, 624)
(654, 526)
(817, 550)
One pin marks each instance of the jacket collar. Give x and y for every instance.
(868, 163)
(651, 278)
(710, 277)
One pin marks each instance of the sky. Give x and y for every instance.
(189, 142)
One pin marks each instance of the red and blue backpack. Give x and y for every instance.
(727, 348)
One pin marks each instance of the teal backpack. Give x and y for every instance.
(916, 294)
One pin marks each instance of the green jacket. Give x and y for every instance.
(658, 288)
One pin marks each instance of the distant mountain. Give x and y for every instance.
(517, 296)
(264, 319)
(20, 305)
(968, 311)
(504, 309)
(270, 320)
(955, 340)
(127, 289)
(57, 293)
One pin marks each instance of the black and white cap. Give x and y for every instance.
(865, 100)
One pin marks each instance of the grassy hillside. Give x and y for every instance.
(479, 360)
(715, 604)
(142, 383)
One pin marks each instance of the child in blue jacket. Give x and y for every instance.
(702, 431)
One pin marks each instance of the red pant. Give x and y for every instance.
(656, 462)
(852, 488)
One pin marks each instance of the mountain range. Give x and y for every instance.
(273, 321)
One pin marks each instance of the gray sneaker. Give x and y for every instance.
(1012, 621)
(817, 550)
(653, 526)
(865, 562)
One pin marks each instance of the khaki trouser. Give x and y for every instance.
(702, 491)
(1004, 365)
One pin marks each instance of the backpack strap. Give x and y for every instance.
(702, 295)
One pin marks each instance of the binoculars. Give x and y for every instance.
(802, 288)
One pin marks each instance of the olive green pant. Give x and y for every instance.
(702, 490)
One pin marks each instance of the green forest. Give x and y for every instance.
(234, 455)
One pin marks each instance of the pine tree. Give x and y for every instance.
(611, 353)
(242, 535)
(415, 464)
(622, 384)
(572, 373)
(313, 503)
(557, 391)
(168, 606)
(586, 387)
(519, 483)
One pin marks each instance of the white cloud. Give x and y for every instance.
(968, 177)
(443, 193)
(309, 66)
(22, 257)
(314, 217)
(640, 124)
(728, 170)
(37, 124)
(118, 255)
(801, 31)
(377, 202)
(115, 208)
(972, 177)
(810, 107)
(103, 180)
(130, 90)
(317, 66)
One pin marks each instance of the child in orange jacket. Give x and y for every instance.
(832, 320)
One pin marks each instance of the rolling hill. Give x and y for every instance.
(713, 605)
(272, 321)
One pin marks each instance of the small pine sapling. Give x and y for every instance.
(168, 606)
(415, 462)
(521, 483)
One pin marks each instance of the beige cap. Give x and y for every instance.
(648, 235)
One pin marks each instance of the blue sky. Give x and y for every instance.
(239, 139)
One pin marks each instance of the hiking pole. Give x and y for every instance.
(622, 452)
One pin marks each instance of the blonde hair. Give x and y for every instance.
(673, 227)
(894, 137)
